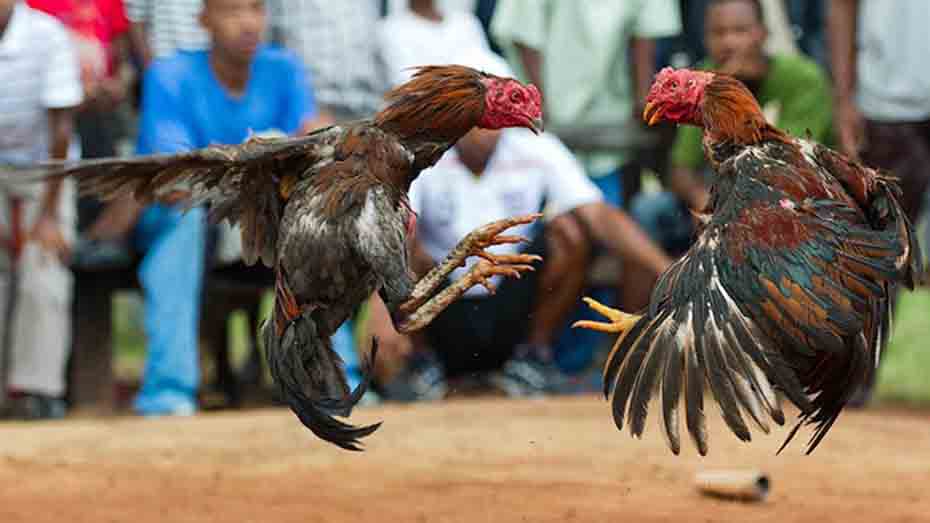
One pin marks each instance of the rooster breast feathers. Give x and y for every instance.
(786, 288)
(245, 184)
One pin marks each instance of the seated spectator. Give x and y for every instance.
(42, 88)
(423, 35)
(190, 100)
(794, 93)
(487, 176)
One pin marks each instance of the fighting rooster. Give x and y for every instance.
(786, 289)
(328, 212)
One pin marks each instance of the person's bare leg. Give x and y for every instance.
(636, 283)
(560, 285)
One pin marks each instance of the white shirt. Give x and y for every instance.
(407, 39)
(170, 24)
(893, 67)
(40, 71)
(525, 174)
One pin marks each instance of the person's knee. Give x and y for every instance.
(568, 247)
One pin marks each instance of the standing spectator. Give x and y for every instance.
(159, 28)
(879, 56)
(100, 31)
(190, 100)
(41, 89)
(335, 41)
(578, 54)
(792, 89)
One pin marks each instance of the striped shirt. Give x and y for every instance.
(40, 71)
(336, 41)
(170, 24)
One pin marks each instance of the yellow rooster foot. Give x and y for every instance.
(619, 321)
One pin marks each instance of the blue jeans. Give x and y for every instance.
(171, 275)
(344, 345)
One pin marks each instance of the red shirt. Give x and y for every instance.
(101, 21)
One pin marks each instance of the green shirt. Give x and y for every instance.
(796, 90)
(584, 45)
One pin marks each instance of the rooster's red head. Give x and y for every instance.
(676, 96)
(447, 101)
(508, 103)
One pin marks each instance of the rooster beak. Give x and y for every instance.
(652, 113)
(536, 125)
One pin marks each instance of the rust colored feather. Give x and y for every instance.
(732, 114)
(444, 101)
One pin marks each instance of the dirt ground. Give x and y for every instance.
(466, 460)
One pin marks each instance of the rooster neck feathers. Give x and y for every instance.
(439, 105)
(731, 115)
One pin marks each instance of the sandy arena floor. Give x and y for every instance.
(468, 460)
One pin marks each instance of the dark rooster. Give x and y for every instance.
(786, 289)
(328, 212)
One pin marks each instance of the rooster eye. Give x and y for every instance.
(673, 84)
(516, 97)
(691, 83)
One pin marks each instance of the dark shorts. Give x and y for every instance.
(902, 149)
(479, 334)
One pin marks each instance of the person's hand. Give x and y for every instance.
(850, 128)
(111, 92)
(46, 232)
(116, 220)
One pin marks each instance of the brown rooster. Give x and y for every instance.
(328, 212)
(787, 287)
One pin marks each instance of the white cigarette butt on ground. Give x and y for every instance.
(740, 485)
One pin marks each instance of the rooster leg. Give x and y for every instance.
(479, 274)
(619, 321)
(472, 245)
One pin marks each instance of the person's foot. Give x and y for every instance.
(530, 373)
(34, 407)
(423, 380)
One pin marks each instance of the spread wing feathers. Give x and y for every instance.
(771, 297)
(240, 183)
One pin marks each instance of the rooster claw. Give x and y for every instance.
(619, 321)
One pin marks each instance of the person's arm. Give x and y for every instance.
(61, 93)
(644, 58)
(138, 13)
(139, 43)
(521, 27)
(531, 59)
(46, 230)
(841, 31)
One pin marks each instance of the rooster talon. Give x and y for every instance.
(608, 312)
(611, 328)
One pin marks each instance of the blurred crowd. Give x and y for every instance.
(100, 78)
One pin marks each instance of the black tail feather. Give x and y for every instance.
(303, 364)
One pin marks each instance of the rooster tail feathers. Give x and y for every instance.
(312, 382)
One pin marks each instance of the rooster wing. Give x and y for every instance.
(786, 288)
(245, 184)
